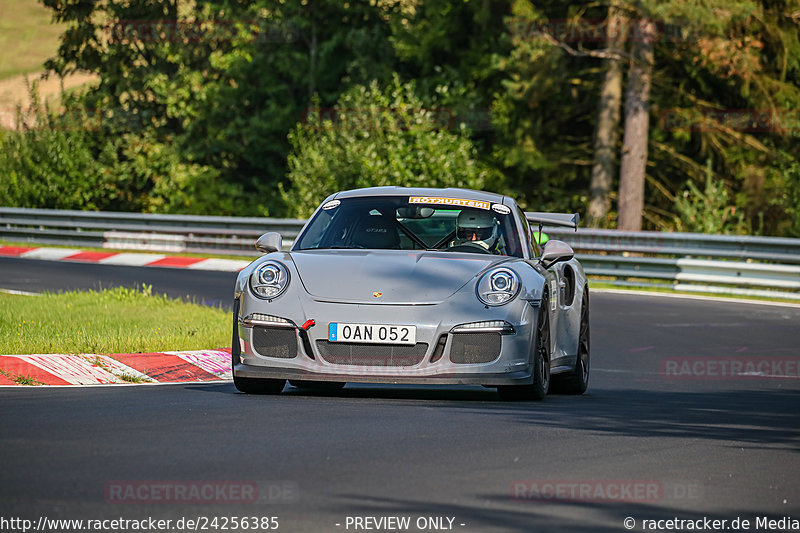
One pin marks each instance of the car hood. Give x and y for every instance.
(387, 277)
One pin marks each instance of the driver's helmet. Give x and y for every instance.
(476, 227)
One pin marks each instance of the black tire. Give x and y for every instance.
(318, 386)
(577, 381)
(541, 363)
(258, 385)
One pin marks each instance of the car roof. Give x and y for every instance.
(450, 192)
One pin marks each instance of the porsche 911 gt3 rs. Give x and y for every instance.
(415, 285)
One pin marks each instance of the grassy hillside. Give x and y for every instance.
(27, 37)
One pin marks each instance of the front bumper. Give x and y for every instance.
(441, 356)
(490, 380)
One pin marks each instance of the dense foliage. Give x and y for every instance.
(375, 137)
(233, 107)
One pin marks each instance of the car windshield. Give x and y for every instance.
(413, 223)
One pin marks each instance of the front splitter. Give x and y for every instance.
(522, 377)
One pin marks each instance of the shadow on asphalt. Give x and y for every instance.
(403, 392)
(761, 418)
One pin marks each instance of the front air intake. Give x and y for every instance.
(472, 348)
(350, 353)
(275, 342)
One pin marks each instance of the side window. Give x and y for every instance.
(537, 248)
(532, 247)
(316, 231)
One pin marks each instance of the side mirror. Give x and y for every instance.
(555, 252)
(269, 242)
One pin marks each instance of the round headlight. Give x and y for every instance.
(498, 286)
(269, 275)
(269, 280)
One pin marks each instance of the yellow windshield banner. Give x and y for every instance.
(452, 202)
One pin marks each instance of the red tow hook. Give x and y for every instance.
(308, 324)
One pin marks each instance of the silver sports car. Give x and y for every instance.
(412, 285)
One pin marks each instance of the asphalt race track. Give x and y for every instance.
(207, 287)
(664, 432)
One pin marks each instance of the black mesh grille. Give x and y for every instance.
(275, 342)
(468, 348)
(351, 353)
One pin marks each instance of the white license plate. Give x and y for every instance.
(372, 333)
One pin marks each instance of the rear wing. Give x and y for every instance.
(564, 220)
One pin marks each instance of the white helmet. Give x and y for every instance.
(476, 226)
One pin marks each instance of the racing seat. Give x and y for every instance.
(376, 232)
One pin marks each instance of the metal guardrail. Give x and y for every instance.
(745, 247)
(694, 262)
(139, 231)
(745, 265)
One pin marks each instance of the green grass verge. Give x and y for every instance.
(119, 320)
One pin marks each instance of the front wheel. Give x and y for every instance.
(249, 385)
(541, 363)
(575, 382)
(259, 386)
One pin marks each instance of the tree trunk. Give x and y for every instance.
(634, 143)
(312, 60)
(605, 143)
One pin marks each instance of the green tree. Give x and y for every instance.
(220, 83)
(377, 137)
(709, 210)
(238, 121)
(608, 116)
(710, 59)
(545, 113)
(196, 102)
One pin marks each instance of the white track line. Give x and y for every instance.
(227, 265)
(20, 293)
(696, 297)
(129, 259)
